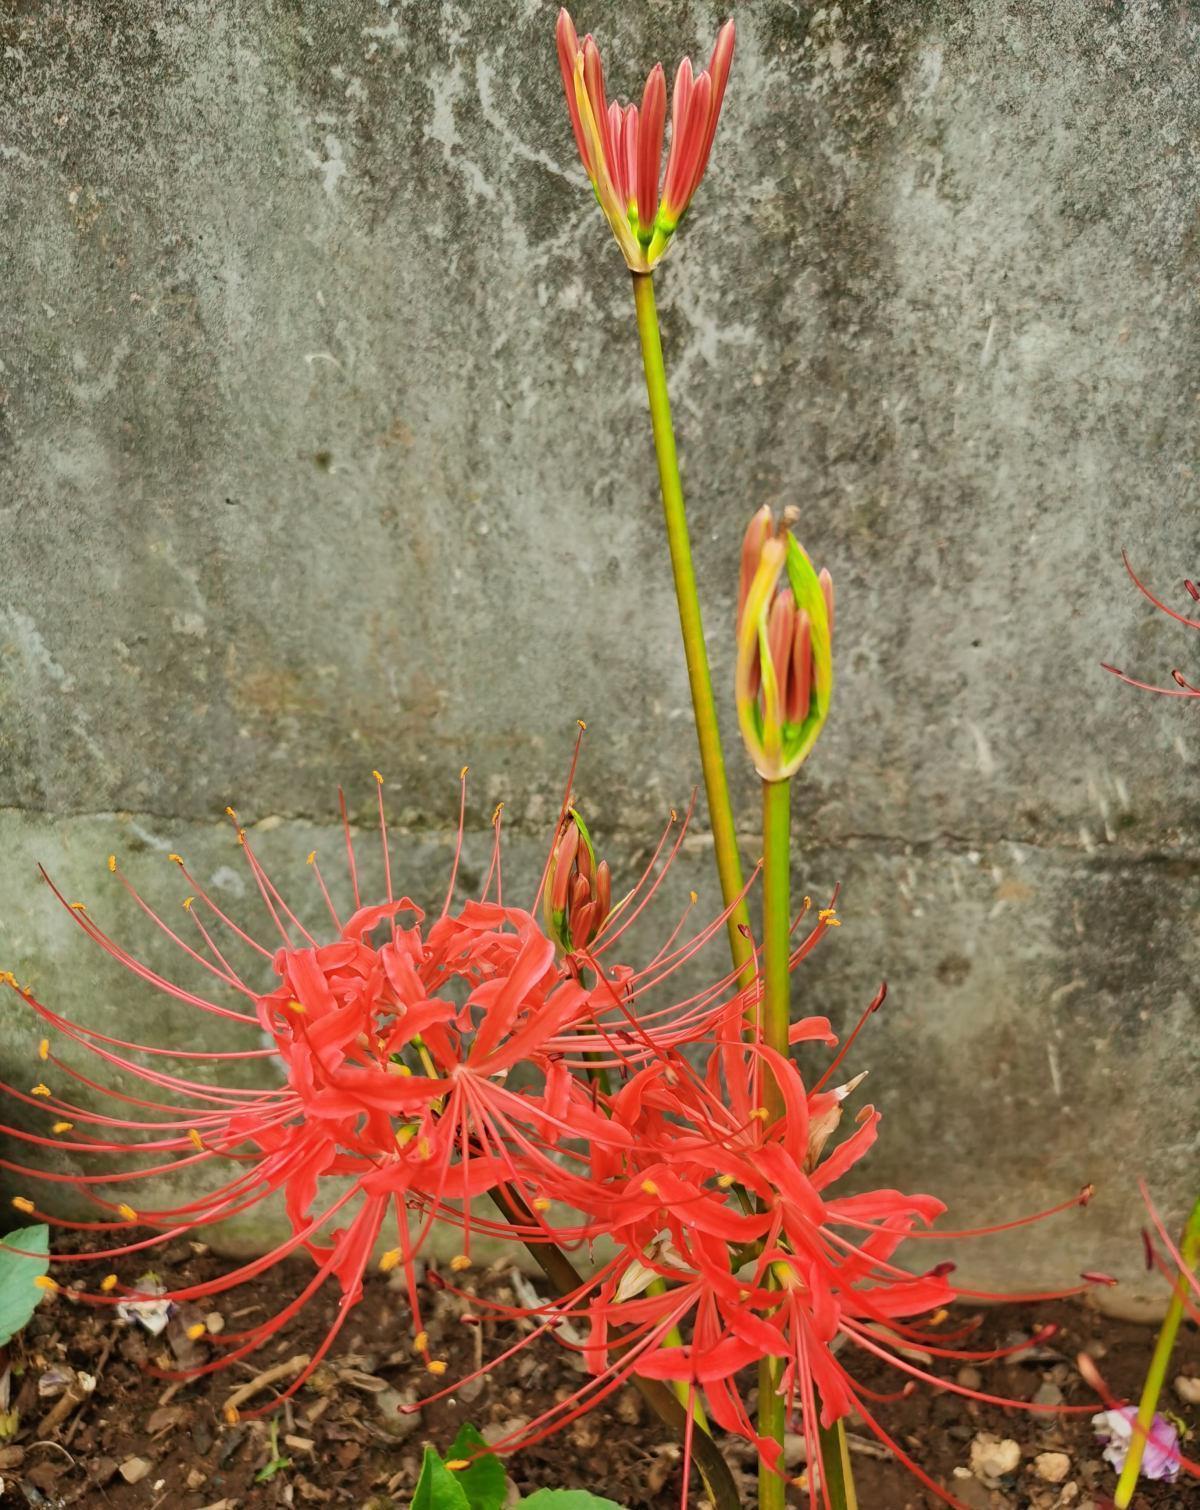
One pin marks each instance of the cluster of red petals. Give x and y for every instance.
(1182, 686)
(635, 1117)
(621, 146)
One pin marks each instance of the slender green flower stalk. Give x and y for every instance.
(1189, 1251)
(708, 733)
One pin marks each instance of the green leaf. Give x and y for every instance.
(18, 1293)
(484, 1483)
(437, 1488)
(567, 1499)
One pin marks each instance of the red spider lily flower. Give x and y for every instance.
(729, 1228)
(784, 677)
(1182, 687)
(393, 1037)
(621, 147)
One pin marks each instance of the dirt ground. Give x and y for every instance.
(139, 1442)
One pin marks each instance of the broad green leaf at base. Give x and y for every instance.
(19, 1294)
(437, 1488)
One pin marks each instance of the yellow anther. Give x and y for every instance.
(760, 1114)
(674, 815)
(229, 813)
(462, 775)
(312, 857)
(456, 1464)
(400, 1069)
(828, 916)
(231, 1414)
(377, 777)
(724, 1181)
(41, 1090)
(649, 1187)
(423, 1148)
(112, 862)
(187, 903)
(175, 859)
(496, 814)
(108, 1283)
(695, 896)
(196, 1140)
(420, 1342)
(540, 1203)
(196, 1331)
(938, 1317)
(581, 724)
(241, 836)
(127, 1212)
(8, 977)
(78, 907)
(297, 1006)
(459, 1262)
(44, 1049)
(807, 903)
(62, 1127)
(389, 1260)
(23, 1204)
(405, 1135)
(436, 1366)
(44, 1282)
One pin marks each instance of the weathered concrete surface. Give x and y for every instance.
(325, 448)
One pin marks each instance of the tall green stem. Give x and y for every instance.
(775, 1020)
(1189, 1251)
(712, 762)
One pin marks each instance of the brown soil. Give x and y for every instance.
(349, 1446)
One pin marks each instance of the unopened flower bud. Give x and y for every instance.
(784, 648)
(621, 146)
(578, 894)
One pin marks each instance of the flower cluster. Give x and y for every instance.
(391, 1038)
(784, 647)
(621, 147)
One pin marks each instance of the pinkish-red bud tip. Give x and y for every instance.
(1094, 1277)
(649, 147)
(1193, 591)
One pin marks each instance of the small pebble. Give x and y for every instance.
(1052, 1466)
(968, 1377)
(1188, 1389)
(1048, 1394)
(134, 1470)
(992, 1457)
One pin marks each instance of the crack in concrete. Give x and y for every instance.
(1187, 855)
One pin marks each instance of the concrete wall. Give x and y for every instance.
(325, 448)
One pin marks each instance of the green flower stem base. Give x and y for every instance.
(1189, 1251)
(712, 761)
